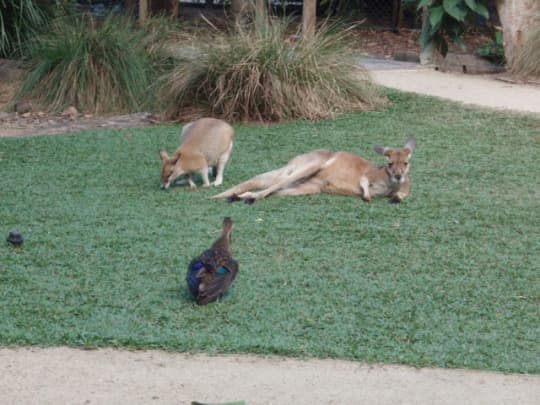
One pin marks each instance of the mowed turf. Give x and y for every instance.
(450, 277)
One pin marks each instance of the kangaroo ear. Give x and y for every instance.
(411, 143)
(381, 150)
(163, 155)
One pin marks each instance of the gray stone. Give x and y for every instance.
(465, 63)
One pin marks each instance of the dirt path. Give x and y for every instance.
(490, 91)
(71, 376)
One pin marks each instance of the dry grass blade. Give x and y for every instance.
(527, 63)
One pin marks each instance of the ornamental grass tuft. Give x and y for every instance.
(99, 66)
(261, 72)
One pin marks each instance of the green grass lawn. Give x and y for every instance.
(450, 277)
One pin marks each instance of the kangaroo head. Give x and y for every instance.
(397, 165)
(170, 170)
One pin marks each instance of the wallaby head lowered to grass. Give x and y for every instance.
(204, 143)
(323, 171)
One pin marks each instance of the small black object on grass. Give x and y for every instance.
(15, 238)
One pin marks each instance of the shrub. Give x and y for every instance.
(447, 19)
(493, 50)
(99, 66)
(259, 72)
(527, 62)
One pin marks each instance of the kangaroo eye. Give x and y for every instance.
(390, 164)
(405, 163)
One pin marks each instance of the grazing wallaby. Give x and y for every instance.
(323, 171)
(204, 143)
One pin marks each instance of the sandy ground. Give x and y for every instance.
(479, 90)
(72, 376)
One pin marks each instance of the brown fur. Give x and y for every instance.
(323, 171)
(204, 143)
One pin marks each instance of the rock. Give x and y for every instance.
(70, 112)
(15, 238)
(465, 63)
(4, 116)
(23, 107)
(11, 70)
(407, 56)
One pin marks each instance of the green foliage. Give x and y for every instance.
(447, 278)
(493, 50)
(527, 61)
(447, 19)
(260, 72)
(99, 66)
(18, 20)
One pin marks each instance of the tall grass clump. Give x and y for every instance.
(261, 72)
(98, 66)
(527, 62)
(18, 20)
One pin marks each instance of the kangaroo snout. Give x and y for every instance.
(398, 177)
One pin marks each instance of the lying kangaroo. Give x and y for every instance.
(204, 143)
(323, 171)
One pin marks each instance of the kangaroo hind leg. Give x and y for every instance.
(310, 186)
(292, 174)
(260, 181)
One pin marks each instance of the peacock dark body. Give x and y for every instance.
(211, 273)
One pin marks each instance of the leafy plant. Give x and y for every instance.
(493, 50)
(260, 72)
(446, 19)
(99, 67)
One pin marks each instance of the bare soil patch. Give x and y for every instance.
(14, 124)
(107, 376)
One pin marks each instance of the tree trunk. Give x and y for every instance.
(427, 55)
(516, 17)
(236, 7)
(260, 9)
(175, 4)
(130, 7)
(143, 11)
(309, 18)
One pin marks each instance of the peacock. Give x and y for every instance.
(213, 271)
